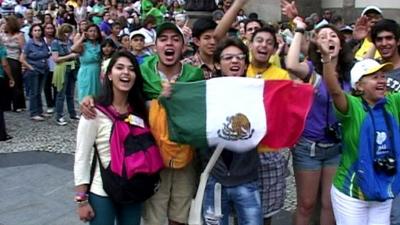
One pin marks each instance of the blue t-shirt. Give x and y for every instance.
(63, 48)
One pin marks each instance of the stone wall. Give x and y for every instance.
(269, 10)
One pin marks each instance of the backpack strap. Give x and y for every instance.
(107, 112)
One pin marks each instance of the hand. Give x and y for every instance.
(298, 21)
(361, 28)
(74, 55)
(289, 9)
(11, 83)
(323, 45)
(85, 212)
(167, 89)
(87, 108)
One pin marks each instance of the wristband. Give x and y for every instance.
(81, 196)
(299, 30)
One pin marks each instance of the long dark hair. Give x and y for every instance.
(99, 36)
(345, 56)
(135, 95)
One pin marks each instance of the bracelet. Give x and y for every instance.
(81, 197)
(327, 61)
(299, 30)
(81, 194)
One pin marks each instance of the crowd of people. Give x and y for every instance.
(122, 55)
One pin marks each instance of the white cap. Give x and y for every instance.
(346, 28)
(367, 67)
(371, 8)
(135, 33)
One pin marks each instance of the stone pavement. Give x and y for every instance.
(36, 174)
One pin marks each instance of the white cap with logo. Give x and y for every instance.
(367, 67)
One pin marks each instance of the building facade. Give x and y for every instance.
(269, 10)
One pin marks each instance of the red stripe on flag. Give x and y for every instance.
(287, 104)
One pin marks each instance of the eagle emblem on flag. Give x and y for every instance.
(237, 127)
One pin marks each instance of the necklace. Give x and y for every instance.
(259, 72)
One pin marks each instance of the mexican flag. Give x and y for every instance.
(239, 112)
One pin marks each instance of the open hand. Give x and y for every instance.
(361, 28)
(289, 9)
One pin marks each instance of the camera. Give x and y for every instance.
(386, 164)
(332, 132)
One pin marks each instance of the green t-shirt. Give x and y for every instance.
(152, 79)
(98, 9)
(353, 128)
(3, 55)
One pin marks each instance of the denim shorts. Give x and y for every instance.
(309, 155)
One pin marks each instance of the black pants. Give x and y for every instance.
(50, 91)
(17, 94)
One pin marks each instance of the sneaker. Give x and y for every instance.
(46, 115)
(76, 117)
(61, 121)
(37, 118)
(50, 110)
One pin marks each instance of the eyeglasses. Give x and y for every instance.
(229, 57)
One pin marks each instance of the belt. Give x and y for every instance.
(318, 144)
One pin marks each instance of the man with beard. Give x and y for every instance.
(178, 185)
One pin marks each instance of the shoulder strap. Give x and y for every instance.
(107, 112)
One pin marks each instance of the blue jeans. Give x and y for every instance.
(36, 81)
(107, 212)
(244, 198)
(395, 213)
(67, 92)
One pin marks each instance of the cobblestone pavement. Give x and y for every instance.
(49, 137)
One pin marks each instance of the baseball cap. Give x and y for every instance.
(371, 8)
(136, 33)
(367, 67)
(168, 26)
(346, 28)
(19, 16)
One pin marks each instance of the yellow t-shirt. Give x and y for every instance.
(272, 73)
(366, 45)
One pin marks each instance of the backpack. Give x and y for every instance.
(174, 155)
(133, 173)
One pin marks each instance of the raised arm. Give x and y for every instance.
(293, 64)
(228, 19)
(330, 76)
(78, 44)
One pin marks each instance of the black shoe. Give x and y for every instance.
(7, 137)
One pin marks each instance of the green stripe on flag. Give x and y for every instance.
(186, 111)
